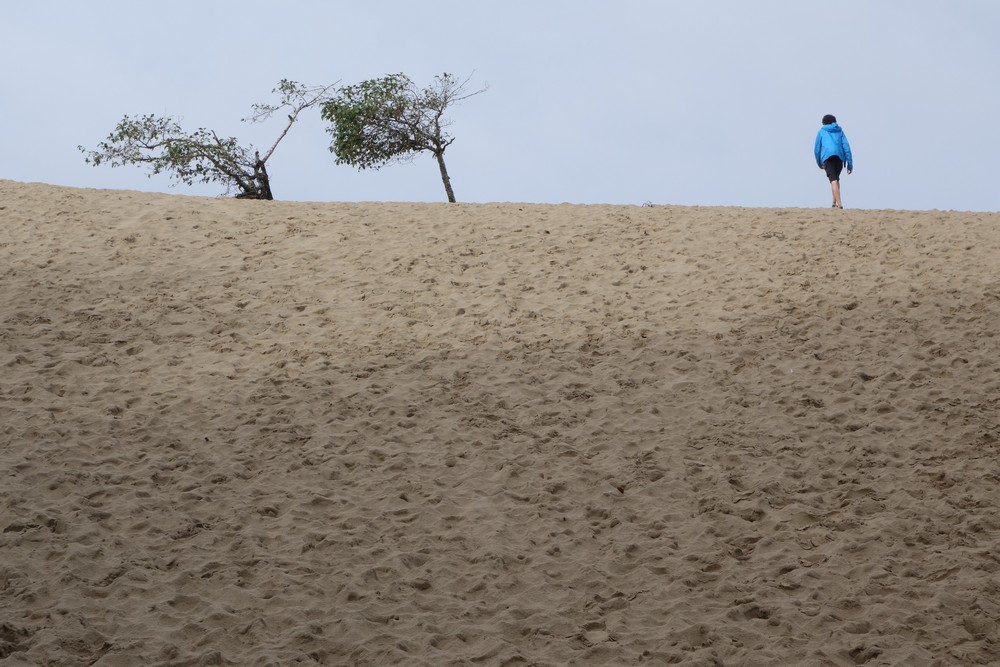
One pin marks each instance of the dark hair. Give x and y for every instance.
(829, 118)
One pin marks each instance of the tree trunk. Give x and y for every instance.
(444, 176)
(262, 180)
(260, 184)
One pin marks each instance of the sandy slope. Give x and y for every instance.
(264, 433)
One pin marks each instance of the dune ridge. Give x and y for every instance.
(263, 433)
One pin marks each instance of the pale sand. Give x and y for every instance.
(265, 433)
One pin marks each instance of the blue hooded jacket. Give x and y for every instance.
(830, 141)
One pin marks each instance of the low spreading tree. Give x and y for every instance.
(201, 156)
(390, 120)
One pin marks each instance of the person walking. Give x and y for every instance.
(833, 153)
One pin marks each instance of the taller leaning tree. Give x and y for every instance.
(382, 121)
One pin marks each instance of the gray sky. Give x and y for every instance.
(715, 102)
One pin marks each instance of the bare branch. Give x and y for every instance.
(295, 97)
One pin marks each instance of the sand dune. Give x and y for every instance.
(265, 433)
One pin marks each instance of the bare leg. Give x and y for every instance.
(835, 186)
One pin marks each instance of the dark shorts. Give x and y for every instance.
(833, 165)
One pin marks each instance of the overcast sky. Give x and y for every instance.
(714, 102)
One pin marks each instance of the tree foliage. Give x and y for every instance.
(382, 121)
(202, 156)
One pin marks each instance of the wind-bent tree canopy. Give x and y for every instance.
(381, 121)
(202, 156)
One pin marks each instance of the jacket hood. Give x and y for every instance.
(832, 128)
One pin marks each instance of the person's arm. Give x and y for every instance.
(849, 162)
(818, 149)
